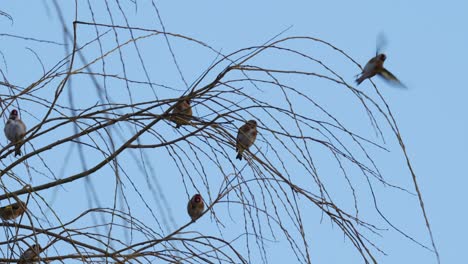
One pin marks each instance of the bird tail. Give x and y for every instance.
(360, 79)
(18, 149)
(239, 154)
(239, 151)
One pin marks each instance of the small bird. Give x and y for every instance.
(12, 211)
(31, 255)
(182, 113)
(374, 67)
(246, 137)
(195, 207)
(15, 130)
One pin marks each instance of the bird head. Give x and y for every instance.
(14, 114)
(37, 248)
(19, 205)
(197, 198)
(382, 57)
(252, 123)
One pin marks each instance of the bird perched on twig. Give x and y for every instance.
(31, 255)
(15, 130)
(182, 113)
(12, 211)
(246, 137)
(195, 207)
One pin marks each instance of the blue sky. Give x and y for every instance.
(426, 50)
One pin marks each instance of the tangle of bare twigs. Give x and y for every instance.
(102, 115)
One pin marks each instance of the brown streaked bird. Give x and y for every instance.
(195, 207)
(245, 137)
(31, 255)
(12, 211)
(182, 113)
(375, 66)
(15, 130)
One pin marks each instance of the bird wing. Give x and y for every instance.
(388, 76)
(242, 137)
(380, 43)
(240, 141)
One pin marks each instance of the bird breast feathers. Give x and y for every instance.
(197, 205)
(15, 127)
(246, 137)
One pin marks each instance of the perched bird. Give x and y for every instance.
(12, 211)
(195, 207)
(246, 137)
(31, 255)
(374, 67)
(15, 130)
(182, 113)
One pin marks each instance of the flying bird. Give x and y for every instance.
(12, 211)
(375, 66)
(245, 137)
(195, 207)
(182, 113)
(15, 130)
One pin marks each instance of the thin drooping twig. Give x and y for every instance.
(123, 143)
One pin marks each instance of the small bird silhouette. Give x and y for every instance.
(15, 130)
(31, 255)
(375, 66)
(182, 113)
(12, 211)
(245, 137)
(195, 207)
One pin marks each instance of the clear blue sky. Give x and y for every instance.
(426, 49)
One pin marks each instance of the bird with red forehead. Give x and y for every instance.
(182, 113)
(195, 207)
(15, 130)
(31, 255)
(245, 137)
